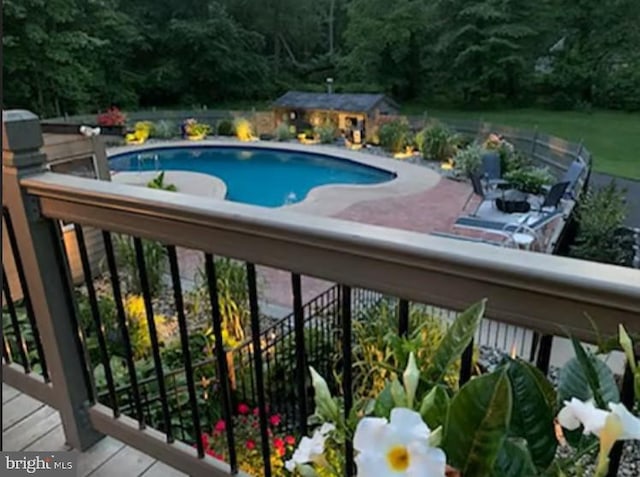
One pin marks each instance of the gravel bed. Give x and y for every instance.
(490, 358)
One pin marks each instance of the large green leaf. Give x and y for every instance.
(458, 337)
(477, 423)
(514, 460)
(384, 402)
(572, 382)
(533, 411)
(434, 407)
(589, 370)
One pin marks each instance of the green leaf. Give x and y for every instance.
(534, 401)
(398, 393)
(384, 403)
(477, 424)
(589, 371)
(514, 460)
(572, 382)
(434, 407)
(458, 337)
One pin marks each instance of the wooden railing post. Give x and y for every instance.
(47, 277)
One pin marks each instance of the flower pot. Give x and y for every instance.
(196, 137)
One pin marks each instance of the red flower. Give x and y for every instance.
(290, 440)
(281, 451)
(205, 440)
(278, 443)
(275, 420)
(250, 444)
(243, 409)
(256, 411)
(220, 425)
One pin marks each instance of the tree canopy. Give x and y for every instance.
(71, 56)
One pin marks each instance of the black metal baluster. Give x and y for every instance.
(20, 343)
(403, 318)
(535, 339)
(97, 321)
(153, 335)
(257, 357)
(122, 323)
(466, 364)
(186, 352)
(301, 359)
(25, 294)
(627, 398)
(221, 357)
(347, 378)
(544, 353)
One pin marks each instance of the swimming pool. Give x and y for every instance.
(259, 176)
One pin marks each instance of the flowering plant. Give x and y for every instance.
(112, 117)
(194, 129)
(246, 427)
(610, 423)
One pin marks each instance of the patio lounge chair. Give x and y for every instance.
(571, 176)
(534, 221)
(478, 189)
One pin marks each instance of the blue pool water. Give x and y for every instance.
(266, 177)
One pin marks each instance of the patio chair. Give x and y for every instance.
(492, 170)
(571, 176)
(478, 189)
(553, 197)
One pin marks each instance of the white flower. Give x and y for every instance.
(397, 448)
(310, 449)
(576, 413)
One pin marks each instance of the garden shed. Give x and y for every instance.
(344, 110)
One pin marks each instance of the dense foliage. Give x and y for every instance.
(72, 56)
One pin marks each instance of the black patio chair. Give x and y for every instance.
(478, 189)
(553, 197)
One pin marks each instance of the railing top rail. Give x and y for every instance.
(529, 289)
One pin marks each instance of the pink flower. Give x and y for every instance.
(220, 425)
(290, 440)
(205, 440)
(250, 444)
(275, 420)
(243, 409)
(256, 411)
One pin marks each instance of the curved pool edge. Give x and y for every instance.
(328, 199)
(186, 182)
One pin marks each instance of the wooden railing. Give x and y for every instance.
(547, 294)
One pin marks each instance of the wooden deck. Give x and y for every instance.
(29, 425)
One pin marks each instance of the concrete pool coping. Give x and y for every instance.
(323, 200)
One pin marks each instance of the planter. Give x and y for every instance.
(196, 137)
(74, 128)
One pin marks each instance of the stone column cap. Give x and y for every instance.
(21, 131)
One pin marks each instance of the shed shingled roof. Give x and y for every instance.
(350, 102)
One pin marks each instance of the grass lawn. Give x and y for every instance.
(612, 137)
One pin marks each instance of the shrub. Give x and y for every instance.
(246, 426)
(165, 130)
(326, 133)
(155, 258)
(530, 180)
(395, 135)
(112, 117)
(436, 142)
(283, 133)
(469, 161)
(243, 129)
(158, 183)
(194, 128)
(139, 330)
(226, 128)
(378, 349)
(601, 216)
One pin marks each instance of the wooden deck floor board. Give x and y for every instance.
(30, 425)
